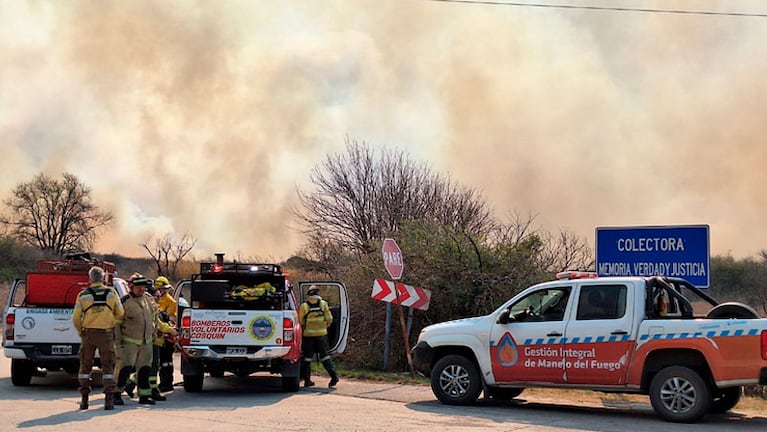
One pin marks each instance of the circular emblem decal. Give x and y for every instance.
(262, 327)
(28, 323)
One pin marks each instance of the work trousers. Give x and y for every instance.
(138, 358)
(91, 340)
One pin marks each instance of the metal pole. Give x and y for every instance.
(409, 320)
(387, 337)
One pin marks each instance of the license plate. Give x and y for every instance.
(236, 350)
(61, 349)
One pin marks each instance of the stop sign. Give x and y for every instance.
(392, 257)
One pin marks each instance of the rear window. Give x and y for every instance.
(240, 292)
(601, 302)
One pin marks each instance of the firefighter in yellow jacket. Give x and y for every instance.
(166, 306)
(315, 318)
(97, 310)
(135, 335)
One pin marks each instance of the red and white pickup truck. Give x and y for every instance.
(243, 318)
(611, 334)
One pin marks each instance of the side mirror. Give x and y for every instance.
(503, 318)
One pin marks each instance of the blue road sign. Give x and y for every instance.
(676, 251)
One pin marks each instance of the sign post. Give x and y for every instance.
(392, 257)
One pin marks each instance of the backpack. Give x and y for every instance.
(313, 309)
(99, 299)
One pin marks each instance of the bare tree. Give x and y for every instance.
(361, 197)
(168, 253)
(566, 251)
(54, 215)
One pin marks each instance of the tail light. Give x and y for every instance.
(287, 330)
(186, 323)
(764, 344)
(10, 319)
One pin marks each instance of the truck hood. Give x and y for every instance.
(465, 325)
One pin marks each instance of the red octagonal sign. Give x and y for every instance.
(392, 256)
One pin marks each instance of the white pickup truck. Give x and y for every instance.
(37, 318)
(243, 318)
(611, 334)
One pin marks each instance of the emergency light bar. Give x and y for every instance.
(240, 268)
(571, 274)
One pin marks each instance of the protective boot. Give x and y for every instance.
(306, 373)
(117, 399)
(109, 401)
(146, 400)
(166, 379)
(156, 395)
(129, 387)
(328, 364)
(84, 399)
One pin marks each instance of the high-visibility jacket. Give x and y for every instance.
(140, 321)
(315, 317)
(167, 304)
(97, 307)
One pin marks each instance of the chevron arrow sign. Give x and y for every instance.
(410, 296)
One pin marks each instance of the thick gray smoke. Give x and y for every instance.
(204, 117)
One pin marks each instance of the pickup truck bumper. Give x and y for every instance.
(43, 353)
(221, 353)
(763, 376)
(423, 355)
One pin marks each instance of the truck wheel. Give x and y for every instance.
(193, 383)
(724, 399)
(504, 393)
(455, 380)
(21, 372)
(291, 384)
(733, 310)
(679, 394)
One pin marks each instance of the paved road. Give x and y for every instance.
(238, 405)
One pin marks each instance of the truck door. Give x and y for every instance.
(599, 336)
(526, 346)
(182, 293)
(337, 296)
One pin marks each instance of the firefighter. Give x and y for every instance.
(97, 310)
(315, 318)
(167, 307)
(157, 342)
(135, 334)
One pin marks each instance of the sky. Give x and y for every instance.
(206, 117)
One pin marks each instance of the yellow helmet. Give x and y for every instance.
(161, 282)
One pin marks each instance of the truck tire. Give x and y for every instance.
(455, 380)
(732, 310)
(291, 384)
(193, 383)
(725, 399)
(504, 393)
(679, 394)
(21, 372)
